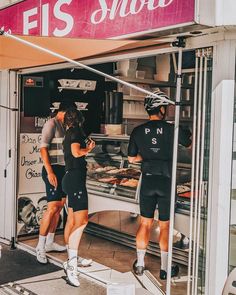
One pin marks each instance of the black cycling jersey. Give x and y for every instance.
(74, 135)
(153, 140)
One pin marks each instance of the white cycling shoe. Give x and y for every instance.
(81, 262)
(41, 256)
(54, 247)
(70, 268)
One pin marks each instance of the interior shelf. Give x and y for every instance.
(152, 82)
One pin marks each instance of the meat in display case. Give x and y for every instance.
(109, 172)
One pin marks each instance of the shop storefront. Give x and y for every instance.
(207, 92)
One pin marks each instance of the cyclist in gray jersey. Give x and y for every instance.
(52, 173)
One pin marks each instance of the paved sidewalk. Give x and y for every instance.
(20, 273)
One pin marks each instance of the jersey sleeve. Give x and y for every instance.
(132, 148)
(77, 137)
(48, 133)
(185, 137)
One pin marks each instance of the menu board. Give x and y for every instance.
(30, 164)
(32, 200)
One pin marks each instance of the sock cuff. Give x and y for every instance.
(141, 250)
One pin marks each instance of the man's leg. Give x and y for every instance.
(69, 225)
(44, 229)
(50, 244)
(142, 240)
(80, 222)
(164, 242)
(82, 262)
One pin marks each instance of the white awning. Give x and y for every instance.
(17, 55)
(20, 52)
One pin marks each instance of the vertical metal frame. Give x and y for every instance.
(193, 175)
(174, 166)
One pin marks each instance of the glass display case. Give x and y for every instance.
(109, 172)
(111, 175)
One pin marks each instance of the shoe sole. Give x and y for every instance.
(69, 283)
(43, 263)
(48, 251)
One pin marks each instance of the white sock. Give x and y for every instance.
(50, 238)
(140, 255)
(72, 253)
(67, 249)
(164, 260)
(41, 242)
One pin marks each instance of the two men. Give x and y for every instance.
(152, 144)
(51, 150)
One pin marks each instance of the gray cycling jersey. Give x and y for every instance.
(52, 137)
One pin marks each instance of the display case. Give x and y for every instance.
(109, 172)
(111, 175)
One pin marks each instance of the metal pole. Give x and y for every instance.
(201, 187)
(79, 64)
(197, 193)
(174, 166)
(192, 175)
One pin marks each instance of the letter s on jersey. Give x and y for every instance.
(154, 140)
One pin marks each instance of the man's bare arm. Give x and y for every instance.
(47, 164)
(135, 159)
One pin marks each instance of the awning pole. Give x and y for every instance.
(164, 100)
(201, 183)
(174, 166)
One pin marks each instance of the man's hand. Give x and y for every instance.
(52, 179)
(91, 145)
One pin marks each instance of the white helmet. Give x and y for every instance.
(152, 103)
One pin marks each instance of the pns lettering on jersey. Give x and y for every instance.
(158, 130)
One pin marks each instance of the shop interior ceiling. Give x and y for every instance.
(16, 55)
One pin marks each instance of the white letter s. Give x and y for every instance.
(67, 18)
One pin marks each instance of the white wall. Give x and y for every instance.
(8, 143)
(225, 12)
(216, 12)
(220, 167)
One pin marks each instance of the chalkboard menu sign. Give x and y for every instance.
(32, 200)
(30, 164)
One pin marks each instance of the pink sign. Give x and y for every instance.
(97, 19)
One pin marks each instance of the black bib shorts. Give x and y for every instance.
(74, 184)
(155, 191)
(54, 194)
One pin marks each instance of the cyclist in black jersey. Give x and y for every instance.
(152, 144)
(76, 147)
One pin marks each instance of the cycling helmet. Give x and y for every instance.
(152, 103)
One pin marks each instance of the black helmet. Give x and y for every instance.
(152, 103)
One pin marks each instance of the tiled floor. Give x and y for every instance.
(115, 258)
